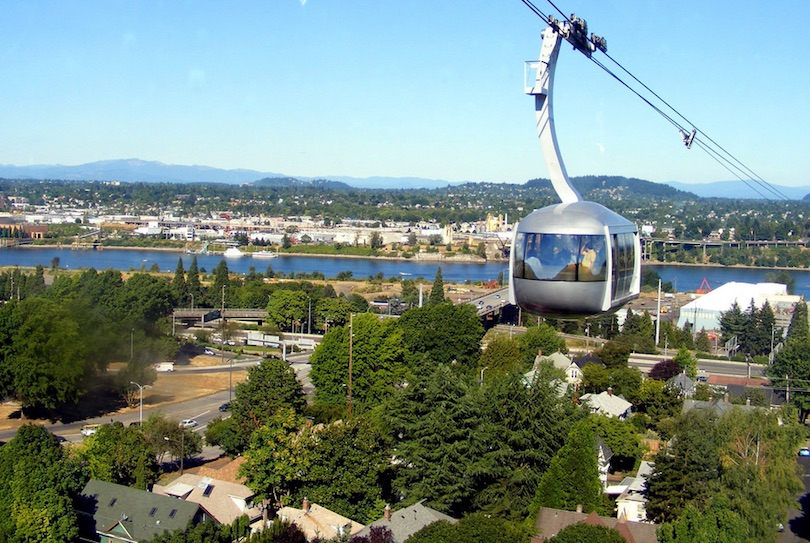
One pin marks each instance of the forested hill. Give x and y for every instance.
(287, 182)
(591, 185)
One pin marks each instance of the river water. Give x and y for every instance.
(684, 278)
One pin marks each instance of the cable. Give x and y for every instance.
(717, 153)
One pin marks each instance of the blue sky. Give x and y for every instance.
(400, 88)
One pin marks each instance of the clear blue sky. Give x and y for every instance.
(400, 88)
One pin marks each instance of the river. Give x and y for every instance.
(684, 278)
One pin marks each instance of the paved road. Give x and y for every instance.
(798, 527)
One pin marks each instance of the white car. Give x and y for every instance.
(209, 352)
(188, 423)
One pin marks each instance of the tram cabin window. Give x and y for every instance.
(560, 257)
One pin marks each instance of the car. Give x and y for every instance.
(804, 451)
(225, 407)
(135, 423)
(188, 423)
(480, 302)
(89, 429)
(489, 307)
(498, 296)
(209, 352)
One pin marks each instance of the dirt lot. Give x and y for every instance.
(169, 388)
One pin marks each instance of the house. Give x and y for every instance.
(719, 407)
(632, 503)
(682, 384)
(225, 501)
(405, 522)
(603, 456)
(573, 372)
(608, 404)
(550, 521)
(318, 522)
(112, 513)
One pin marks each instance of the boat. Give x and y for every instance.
(264, 254)
(233, 252)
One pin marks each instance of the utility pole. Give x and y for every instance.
(349, 386)
(658, 317)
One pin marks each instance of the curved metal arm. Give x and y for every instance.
(544, 115)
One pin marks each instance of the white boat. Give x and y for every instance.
(264, 254)
(233, 252)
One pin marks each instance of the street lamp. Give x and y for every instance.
(481, 379)
(140, 409)
(182, 447)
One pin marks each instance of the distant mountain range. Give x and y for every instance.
(135, 170)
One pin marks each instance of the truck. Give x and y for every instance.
(164, 366)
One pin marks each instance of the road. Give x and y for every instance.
(798, 527)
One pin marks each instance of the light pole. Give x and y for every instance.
(481, 379)
(192, 301)
(140, 409)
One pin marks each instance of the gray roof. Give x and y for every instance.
(406, 522)
(132, 514)
(681, 381)
(719, 407)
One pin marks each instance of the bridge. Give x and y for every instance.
(204, 315)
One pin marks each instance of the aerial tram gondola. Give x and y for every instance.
(576, 258)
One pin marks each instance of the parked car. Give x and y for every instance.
(225, 407)
(209, 352)
(188, 423)
(804, 451)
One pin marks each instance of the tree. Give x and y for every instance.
(572, 479)
(195, 289)
(541, 338)
(120, 455)
(378, 361)
(179, 287)
(269, 387)
(276, 457)
(376, 241)
(684, 474)
(38, 482)
(437, 290)
(732, 323)
(665, 370)
(614, 354)
(501, 355)
(687, 362)
(286, 307)
(579, 532)
(620, 436)
(799, 329)
(349, 468)
(442, 334)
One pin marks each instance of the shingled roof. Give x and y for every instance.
(123, 513)
(405, 522)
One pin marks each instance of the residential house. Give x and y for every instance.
(111, 513)
(225, 501)
(608, 404)
(632, 503)
(719, 407)
(603, 456)
(319, 522)
(682, 384)
(403, 523)
(550, 521)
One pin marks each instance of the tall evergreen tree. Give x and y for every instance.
(799, 329)
(179, 287)
(195, 289)
(437, 290)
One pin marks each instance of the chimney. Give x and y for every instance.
(387, 512)
(610, 391)
(579, 508)
(305, 504)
